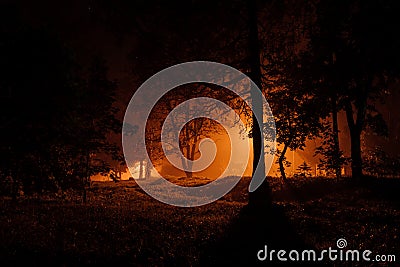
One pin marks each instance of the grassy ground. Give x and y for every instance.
(121, 225)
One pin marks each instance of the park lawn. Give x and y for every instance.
(120, 224)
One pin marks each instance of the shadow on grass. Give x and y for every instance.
(249, 233)
(255, 228)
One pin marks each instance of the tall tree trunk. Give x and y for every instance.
(262, 195)
(355, 138)
(356, 160)
(281, 164)
(335, 131)
(188, 156)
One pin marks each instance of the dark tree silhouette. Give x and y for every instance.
(355, 40)
(286, 72)
(91, 123)
(295, 118)
(36, 82)
(54, 117)
(331, 159)
(261, 196)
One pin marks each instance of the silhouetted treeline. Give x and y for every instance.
(56, 114)
(316, 59)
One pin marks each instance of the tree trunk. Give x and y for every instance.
(281, 164)
(356, 160)
(141, 169)
(187, 163)
(335, 131)
(189, 174)
(147, 169)
(191, 158)
(355, 139)
(261, 197)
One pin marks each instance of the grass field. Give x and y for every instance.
(121, 225)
